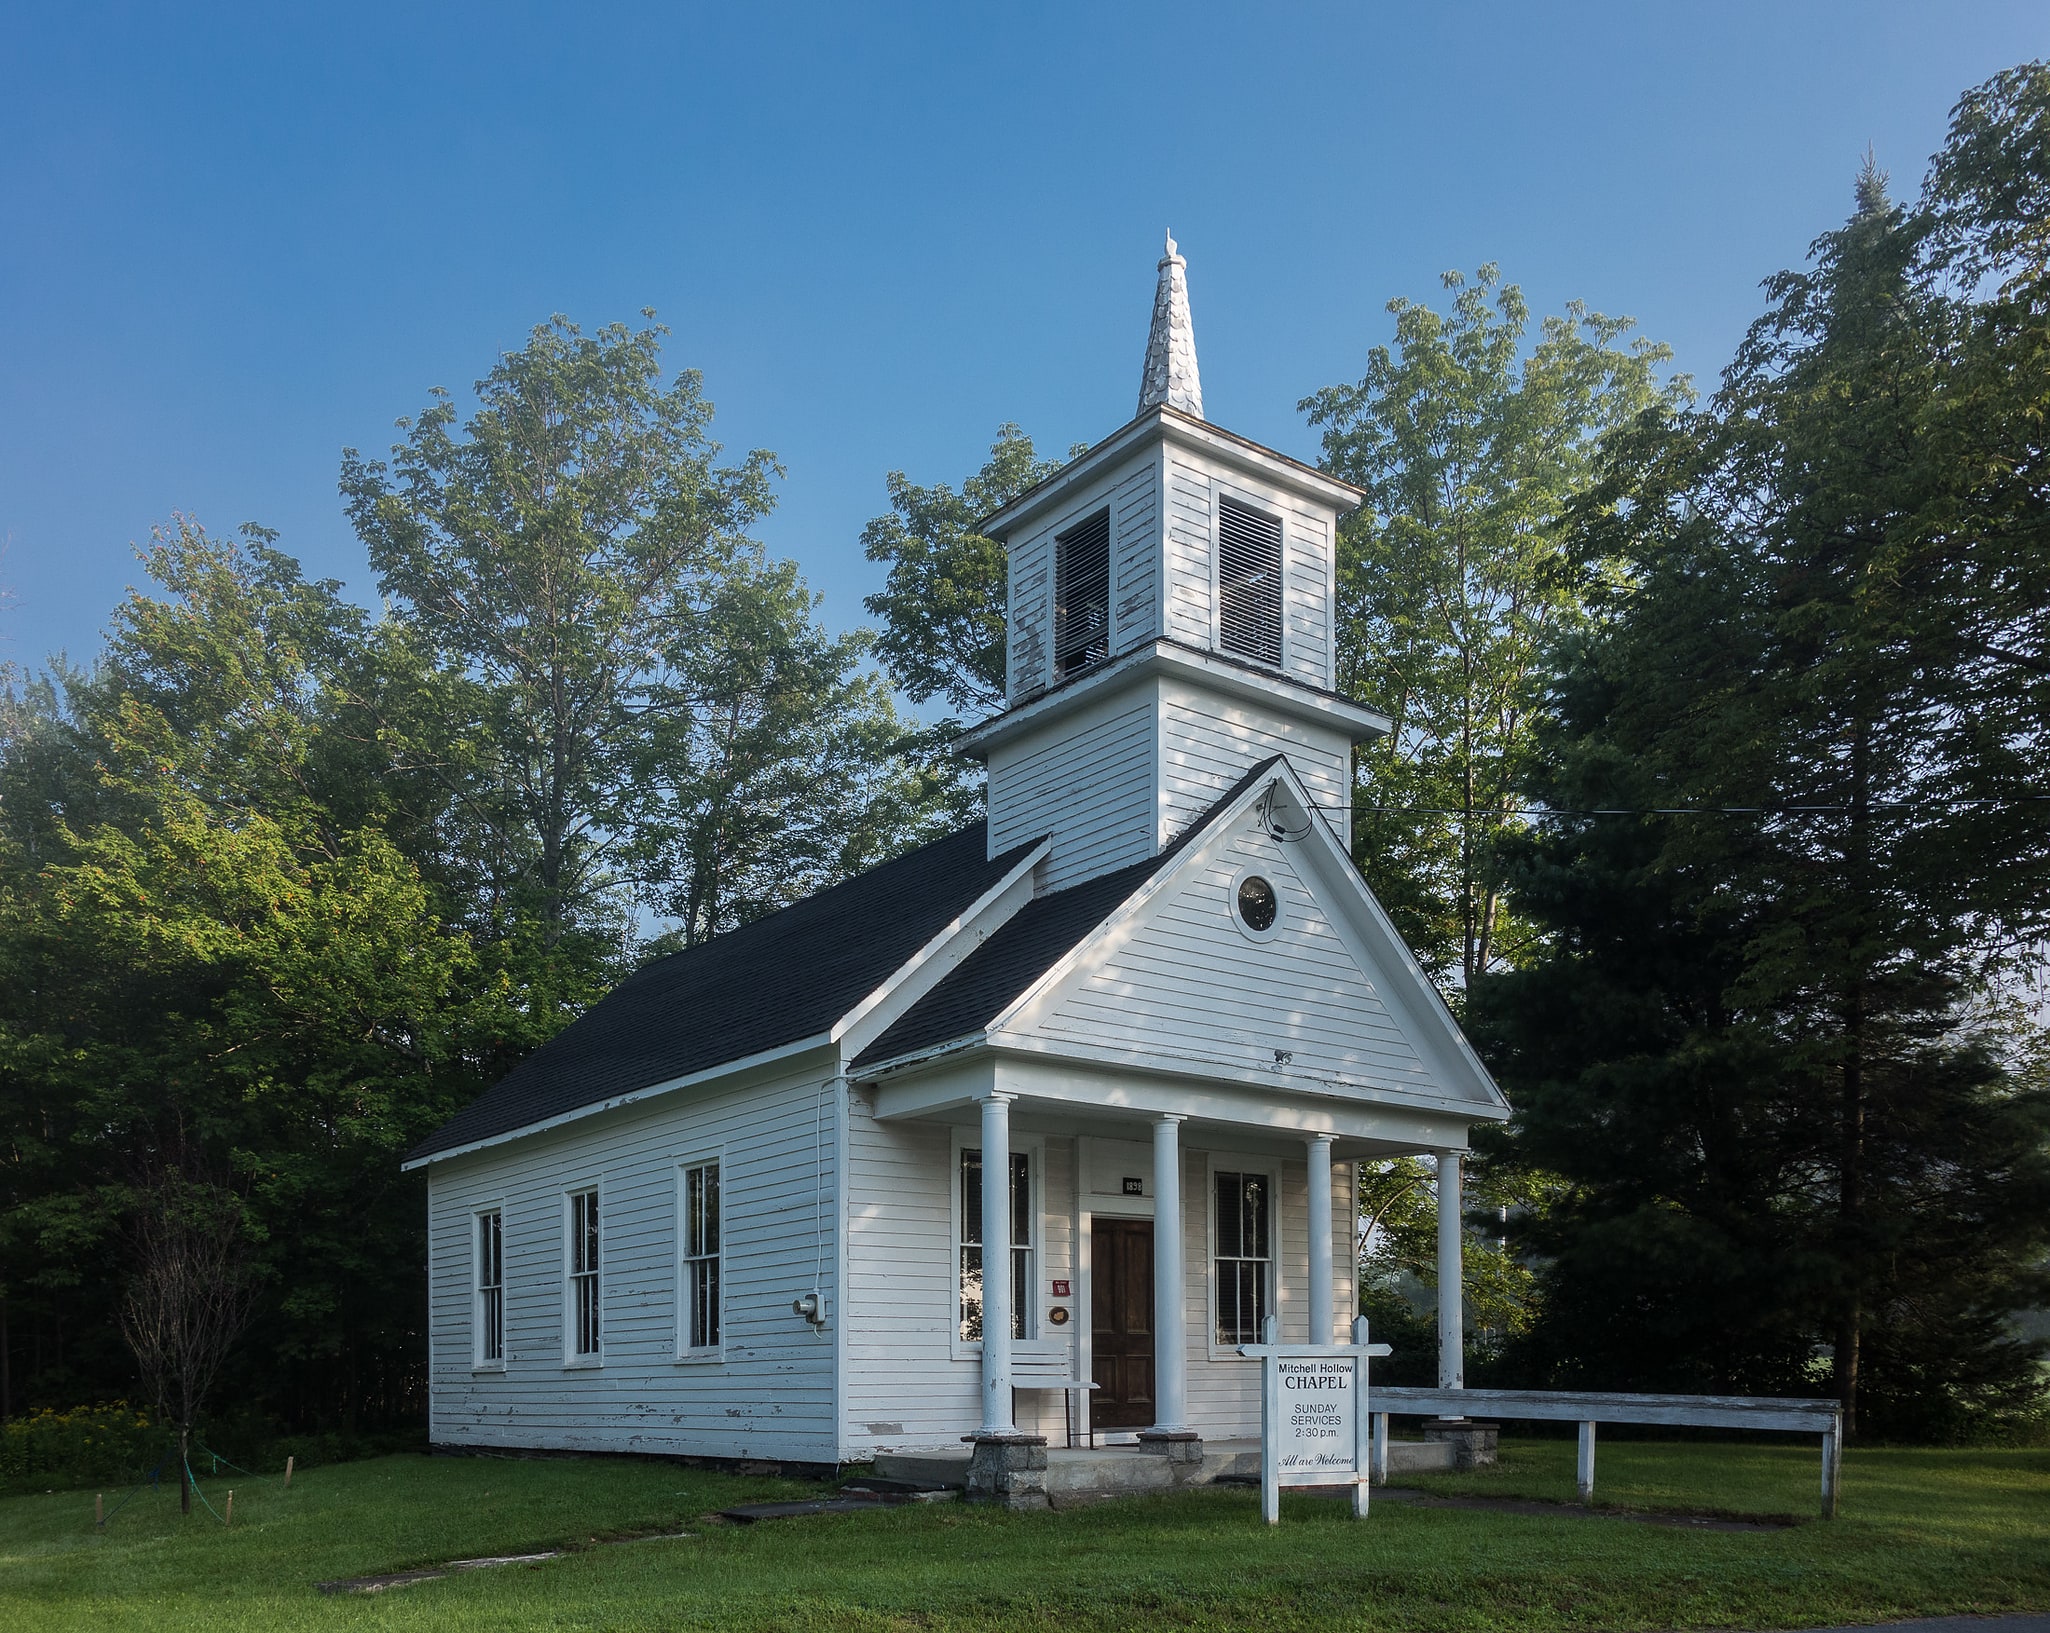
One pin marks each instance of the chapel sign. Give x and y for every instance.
(1313, 1416)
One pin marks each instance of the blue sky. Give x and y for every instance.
(234, 240)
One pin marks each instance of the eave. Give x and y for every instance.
(1288, 697)
(1162, 425)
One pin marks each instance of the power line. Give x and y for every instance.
(1697, 810)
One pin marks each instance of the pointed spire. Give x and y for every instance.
(1170, 376)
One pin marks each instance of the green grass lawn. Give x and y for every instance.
(1923, 1532)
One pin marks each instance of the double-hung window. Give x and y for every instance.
(581, 1296)
(489, 1317)
(1244, 1255)
(700, 1258)
(1022, 1285)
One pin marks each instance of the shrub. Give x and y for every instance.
(80, 1444)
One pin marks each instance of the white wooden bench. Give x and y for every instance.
(1790, 1414)
(1035, 1368)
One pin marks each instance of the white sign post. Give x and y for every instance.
(1314, 1422)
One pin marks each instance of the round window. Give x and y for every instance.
(1256, 902)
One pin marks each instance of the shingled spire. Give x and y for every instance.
(1170, 376)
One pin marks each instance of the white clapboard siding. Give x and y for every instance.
(1185, 984)
(909, 1383)
(1089, 785)
(1207, 744)
(1135, 568)
(1029, 648)
(772, 1394)
(1306, 645)
(1187, 613)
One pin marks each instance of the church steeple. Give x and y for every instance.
(1170, 628)
(1170, 378)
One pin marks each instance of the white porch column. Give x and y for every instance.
(1170, 1321)
(996, 1266)
(1451, 1277)
(1321, 1317)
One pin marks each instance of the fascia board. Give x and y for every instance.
(1426, 1000)
(1113, 1087)
(746, 1065)
(1227, 447)
(1053, 490)
(1162, 657)
(1296, 1085)
(1164, 424)
(899, 1065)
(947, 939)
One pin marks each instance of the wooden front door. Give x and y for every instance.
(1121, 1276)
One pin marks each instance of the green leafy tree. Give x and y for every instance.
(554, 553)
(1453, 582)
(202, 972)
(776, 765)
(942, 606)
(1768, 1042)
(1398, 1262)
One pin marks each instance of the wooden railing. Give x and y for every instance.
(1793, 1416)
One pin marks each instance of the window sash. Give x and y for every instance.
(583, 1274)
(1022, 1245)
(1243, 1255)
(490, 1286)
(701, 1257)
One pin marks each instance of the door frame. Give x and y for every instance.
(1086, 1364)
(1089, 1205)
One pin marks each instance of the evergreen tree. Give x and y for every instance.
(1767, 1044)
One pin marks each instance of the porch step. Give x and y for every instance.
(1113, 1470)
(944, 1467)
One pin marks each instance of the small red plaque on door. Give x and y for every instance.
(1060, 1289)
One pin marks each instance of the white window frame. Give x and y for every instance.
(1263, 504)
(1277, 1257)
(1024, 1297)
(479, 1361)
(571, 1357)
(686, 1352)
(1271, 872)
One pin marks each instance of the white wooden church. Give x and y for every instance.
(743, 1208)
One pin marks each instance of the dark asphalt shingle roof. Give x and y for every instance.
(782, 978)
(1039, 936)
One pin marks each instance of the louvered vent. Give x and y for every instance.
(1081, 589)
(1248, 583)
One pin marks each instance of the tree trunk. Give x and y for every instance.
(1851, 1155)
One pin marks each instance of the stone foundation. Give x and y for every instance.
(1473, 1442)
(1183, 1451)
(1007, 1469)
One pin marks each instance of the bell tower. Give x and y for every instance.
(1170, 625)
